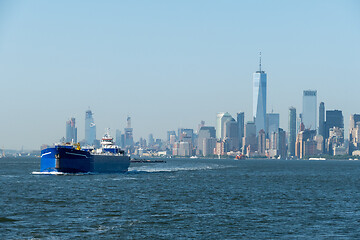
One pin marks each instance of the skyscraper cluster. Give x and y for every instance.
(124, 140)
(315, 131)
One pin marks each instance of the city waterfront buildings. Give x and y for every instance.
(256, 138)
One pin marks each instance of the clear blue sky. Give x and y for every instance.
(168, 64)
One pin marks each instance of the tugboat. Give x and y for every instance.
(240, 157)
(70, 158)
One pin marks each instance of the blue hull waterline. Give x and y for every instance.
(67, 159)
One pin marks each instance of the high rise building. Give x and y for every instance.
(261, 142)
(220, 148)
(322, 119)
(354, 119)
(259, 99)
(151, 140)
(169, 133)
(334, 118)
(292, 131)
(320, 139)
(336, 140)
(205, 132)
(218, 125)
(272, 123)
(309, 113)
(71, 131)
(281, 143)
(202, 124)
(186, 133)
(240, 117)
(172, 140)
(90, 128)
(305, 144)
(354, 133)
(249, 140)
(180, 133)
(221, 119)
(184, 149)
(299, 122)
(118, 137)
(231, 133)
(128, 135)
(122, 140)
(209, 144)
(142, 143)
(273, 144)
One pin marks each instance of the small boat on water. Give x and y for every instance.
(70, 158)
(317, 159)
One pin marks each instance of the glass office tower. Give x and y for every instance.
(259, 99)
(292, 131)
(309, 113)
(272, 123)
(90, 128)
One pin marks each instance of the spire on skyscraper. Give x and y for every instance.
(260, 62)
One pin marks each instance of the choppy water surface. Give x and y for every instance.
(185, 198)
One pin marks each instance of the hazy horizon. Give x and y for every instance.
(168, 64)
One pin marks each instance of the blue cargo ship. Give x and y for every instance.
(70, 158)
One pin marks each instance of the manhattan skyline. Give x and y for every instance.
(168, 65)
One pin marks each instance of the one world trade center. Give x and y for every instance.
(259, 99)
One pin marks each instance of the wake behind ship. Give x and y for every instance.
(70, 158)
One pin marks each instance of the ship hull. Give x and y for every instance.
(110, 163)
(70, 160)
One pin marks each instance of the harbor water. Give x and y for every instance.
(183, 198)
